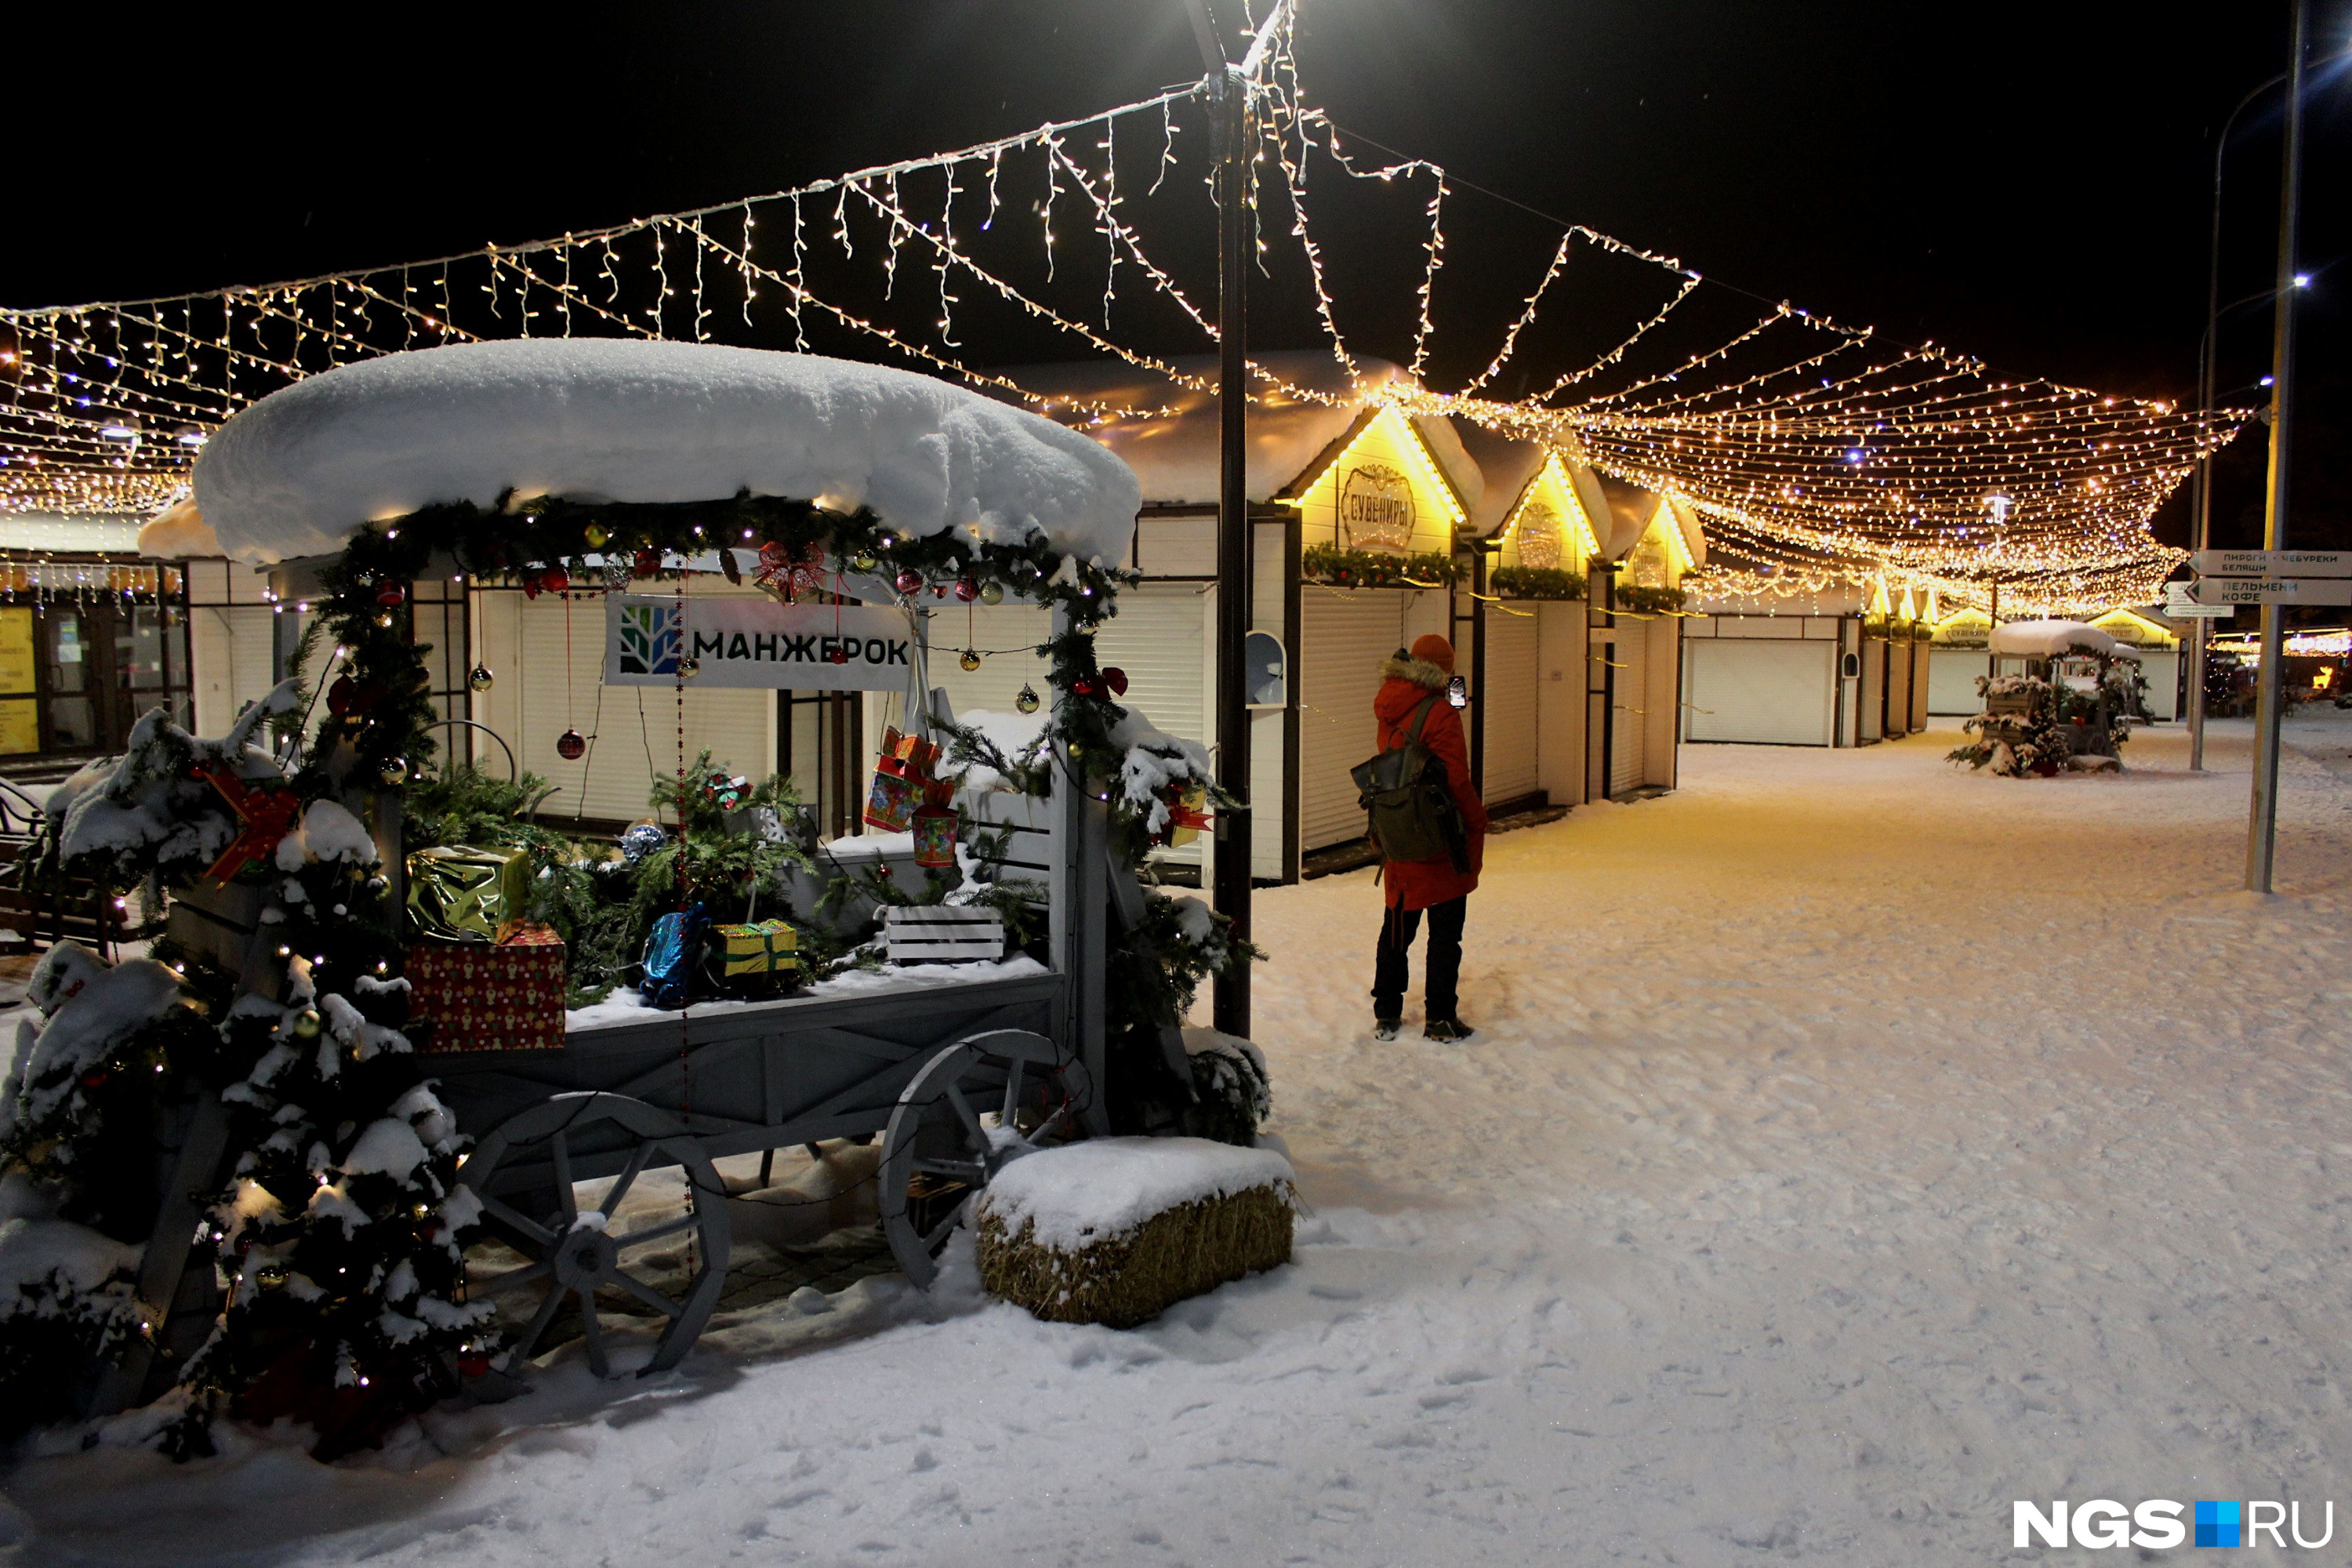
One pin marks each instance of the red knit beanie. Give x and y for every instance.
(1434, 649)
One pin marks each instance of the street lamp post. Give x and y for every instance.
(2208, 350)
(2262, 829)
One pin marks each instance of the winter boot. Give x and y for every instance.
(1386, 1028)
(1443, 1030)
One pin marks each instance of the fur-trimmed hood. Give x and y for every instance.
(1402, 665)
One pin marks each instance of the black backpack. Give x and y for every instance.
(1409, 806)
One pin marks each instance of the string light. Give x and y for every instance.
(1815, 452)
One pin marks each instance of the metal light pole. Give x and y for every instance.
(2262, 829)
(2208, 352)
(1229, 96)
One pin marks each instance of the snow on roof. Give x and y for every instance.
(625, 420)
(2047, 639)
(1175, 455)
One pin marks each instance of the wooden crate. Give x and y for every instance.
(935, 933)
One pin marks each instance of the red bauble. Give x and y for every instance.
(837, 655)
(94, 1079)
(555, 579)
(648, 561)
(1086, 685)
(340, 695)
(910, 581)
(571, 745)
(1116, 679)
(967, 589)
(473, 1364)
(390, 595)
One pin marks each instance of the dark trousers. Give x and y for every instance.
(1398, 928)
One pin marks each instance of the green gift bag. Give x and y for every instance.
(458, 893)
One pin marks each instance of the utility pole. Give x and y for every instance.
(2262, 828)
(1229, 86)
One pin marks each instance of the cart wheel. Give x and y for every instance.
(570, 1251)
(938, 1150)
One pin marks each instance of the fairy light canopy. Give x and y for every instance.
(1811, 451)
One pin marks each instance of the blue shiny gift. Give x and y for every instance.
(673, 950)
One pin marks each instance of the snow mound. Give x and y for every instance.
(1088, 1192)
(296, 473)
(35, 1250)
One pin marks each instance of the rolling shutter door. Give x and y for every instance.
(1629, 720)
(1161, 638)
(1872, 723)
(1898, 687)
(1510, 700)
(1775, 693)
(1952, 680)
(1342, 640)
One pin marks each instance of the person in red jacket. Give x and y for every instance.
(1435, 886)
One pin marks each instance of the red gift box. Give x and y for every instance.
(481, 996)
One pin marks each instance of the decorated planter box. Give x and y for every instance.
(489, 997)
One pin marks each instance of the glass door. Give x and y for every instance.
(73, 720)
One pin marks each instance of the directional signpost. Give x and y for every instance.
(2180, 606)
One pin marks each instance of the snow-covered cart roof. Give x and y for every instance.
(624, 420)
(2055, 639)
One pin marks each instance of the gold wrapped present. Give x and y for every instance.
(761, 957)
(458, 893)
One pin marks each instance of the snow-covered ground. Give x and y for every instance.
(1850, 1147)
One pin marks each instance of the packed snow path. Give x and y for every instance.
(1850, 1147)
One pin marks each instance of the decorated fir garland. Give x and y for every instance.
(1536, 583)
(1342, 568)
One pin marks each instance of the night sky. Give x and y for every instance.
(2028, 182)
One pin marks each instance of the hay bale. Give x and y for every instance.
(1117, 1230)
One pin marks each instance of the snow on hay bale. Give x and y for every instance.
(615, 420)
(1117, 1230)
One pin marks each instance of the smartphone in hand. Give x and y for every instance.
(1457, 691)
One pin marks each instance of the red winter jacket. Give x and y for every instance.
(1418, 884)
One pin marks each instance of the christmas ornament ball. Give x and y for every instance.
(642, 838)
(991, 593)
(864, 561)
(1027, 701)
(969, 662)
(909, 581)
(689, 667)
(967, 589)
(480, 678)
(390, 595)
(394, 771)
(595, 535)
(307, 1023)
(572, 745)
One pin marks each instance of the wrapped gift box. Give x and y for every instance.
(489, 997)
(461, 894)
(755, 960)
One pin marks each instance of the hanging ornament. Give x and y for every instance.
(479, 678)
(307, 1023)
(1116, 679)
(864, 561)
(394, 772)
(616, 572)
(555, 579)
(689, 667)
(341, 695)
(967, 589)
(1027, 701)
(1086, 686)
(910, 582)
(991, 593)
(836, 653)
(390, 595)
(648, 561)
(642, 838)
(970, 661)
(595, 535)
(572, 745)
